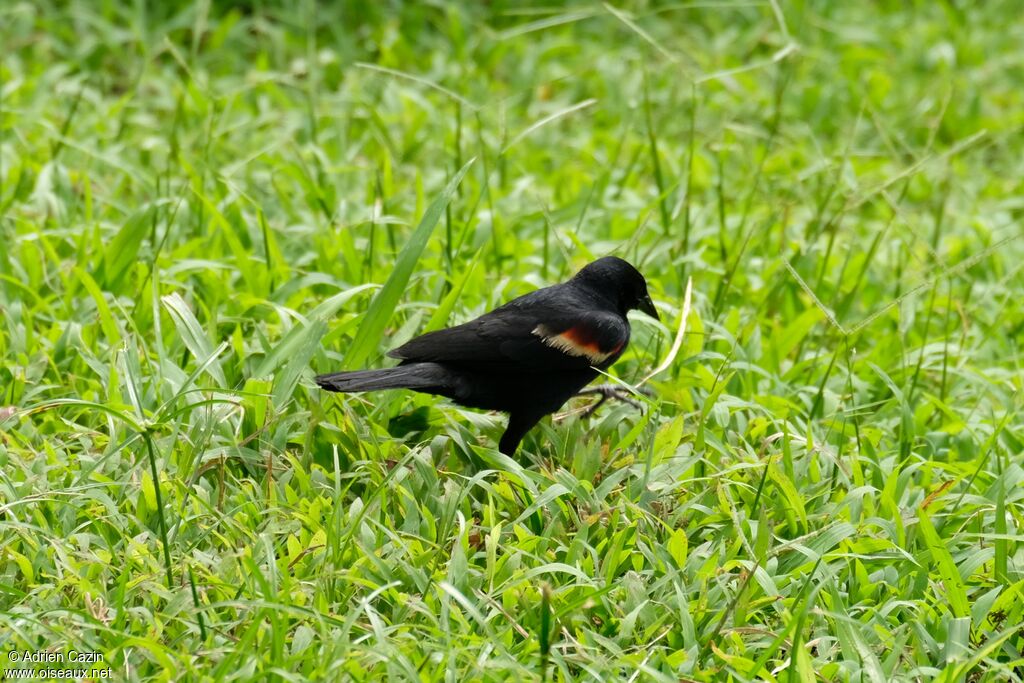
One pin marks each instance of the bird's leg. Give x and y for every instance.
(518, 424)
(607, 391)
(592, 408)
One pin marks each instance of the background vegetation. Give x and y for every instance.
(199, 205)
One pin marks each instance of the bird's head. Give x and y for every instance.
(617, 280)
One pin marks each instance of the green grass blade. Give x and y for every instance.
(384, 303)
(122, 251)
(309, 342)
(955, 592)
(192, 335)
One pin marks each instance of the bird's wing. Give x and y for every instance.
(518, 338)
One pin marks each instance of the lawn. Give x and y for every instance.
(203, 206)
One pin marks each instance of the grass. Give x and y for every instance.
(202, 206)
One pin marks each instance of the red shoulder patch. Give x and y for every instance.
(576, 341)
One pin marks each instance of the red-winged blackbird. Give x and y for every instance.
(526, 358)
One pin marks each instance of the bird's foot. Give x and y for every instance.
(607, 391)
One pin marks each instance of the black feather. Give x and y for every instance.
(420, 376)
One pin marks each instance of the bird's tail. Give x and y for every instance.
(418, 376)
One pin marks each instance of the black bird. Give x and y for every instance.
(527, 357)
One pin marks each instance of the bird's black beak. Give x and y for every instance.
(647, 306)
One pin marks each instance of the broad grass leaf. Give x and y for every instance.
(294, 339)
(956, 593)
(804, 666)
(552, 492)
(384, 303)
(630, 438)
(693, 342)
(440, 316)
(285, 381)
(787, 339)
(256, 404)
(107, 324)
(678, 547)
(122, 251)
(668, 437)
(192, 334)
(791, 498)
